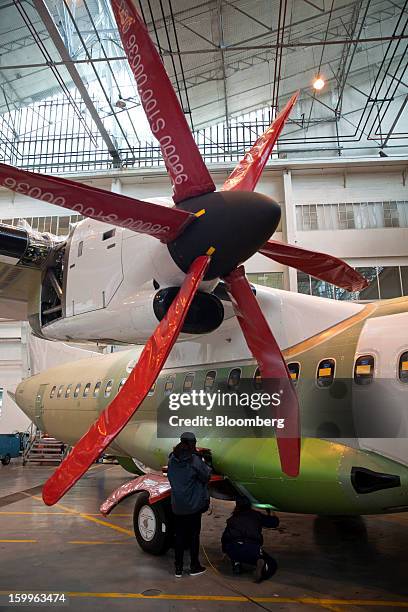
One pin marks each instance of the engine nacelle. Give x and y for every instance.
(205, 314)
(25, 247)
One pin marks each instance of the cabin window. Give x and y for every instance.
(169, 384)
(108, 388)
(258, 379)
(77, 390)
(53, 390)
(80, 248)
(87, 390)
(364, 370)
(97, 388)
(68, 392)
(188, 382)
(152, 388)
(403, 367)
(294, 371)
(234, 378)
(109, 234)
(61, 387)
(209, 381)
(325, 373)
(122, 382)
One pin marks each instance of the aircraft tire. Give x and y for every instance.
(152, 524)
(6, 460)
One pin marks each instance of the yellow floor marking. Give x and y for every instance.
(95, 542)
(18, 541)
(87, 517)
(56, 514)
(34, 513)
(238, 598)
(275, 600)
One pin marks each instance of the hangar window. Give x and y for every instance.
(188, 382)
(234, 378)
(68, 391)
(108, 388)
(209, 381)
(61, 387)
(364, 370)
(53, 390)
(152, 388)
(403, 367)
(77, 390)
(325, 373)
(122, 382)
(258, 379)
(86, 390)
(294, 371)
(97, 388)
(169, 384)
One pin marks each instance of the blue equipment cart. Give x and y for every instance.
(10, 447)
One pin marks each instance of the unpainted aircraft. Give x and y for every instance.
(112, 280)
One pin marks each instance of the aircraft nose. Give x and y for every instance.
(233, 227)
(25, 398)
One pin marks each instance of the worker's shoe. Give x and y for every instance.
(259, 572)
(179, 571)
(197, 570)
(236, 568)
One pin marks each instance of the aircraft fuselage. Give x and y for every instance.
(338, 475)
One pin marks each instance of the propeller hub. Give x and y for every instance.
(233, 227)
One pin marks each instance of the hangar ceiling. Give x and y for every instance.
(226, 59)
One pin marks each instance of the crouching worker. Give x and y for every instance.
(188, 475)
(242, 539)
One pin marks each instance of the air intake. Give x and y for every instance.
(367, 481)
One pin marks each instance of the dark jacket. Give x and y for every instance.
(246, 527)
(188, 476)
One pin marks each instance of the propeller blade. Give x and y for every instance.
(247, 173)
(114, 418)
(265, 349)
(325, 267)
(166, 118)
(143, 217)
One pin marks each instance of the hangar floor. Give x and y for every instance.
(323, 564)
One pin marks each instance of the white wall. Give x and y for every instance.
(11, 372)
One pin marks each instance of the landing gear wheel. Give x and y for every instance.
(152, 524)
(6, 460)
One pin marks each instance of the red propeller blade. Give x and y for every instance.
(187, 170)
(114, 418)
(246, 175)
(325, 267)
(266, 351)
(142, 217)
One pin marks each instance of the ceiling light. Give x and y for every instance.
(318, 83)
(120, 103)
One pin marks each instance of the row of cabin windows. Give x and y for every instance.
(363, 370)
(325, 373)
(77, 391)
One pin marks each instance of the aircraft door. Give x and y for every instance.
(39, 407)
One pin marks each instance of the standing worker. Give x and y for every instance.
(242, 539)
(189, 476)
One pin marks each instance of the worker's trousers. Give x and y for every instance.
(188, 527)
